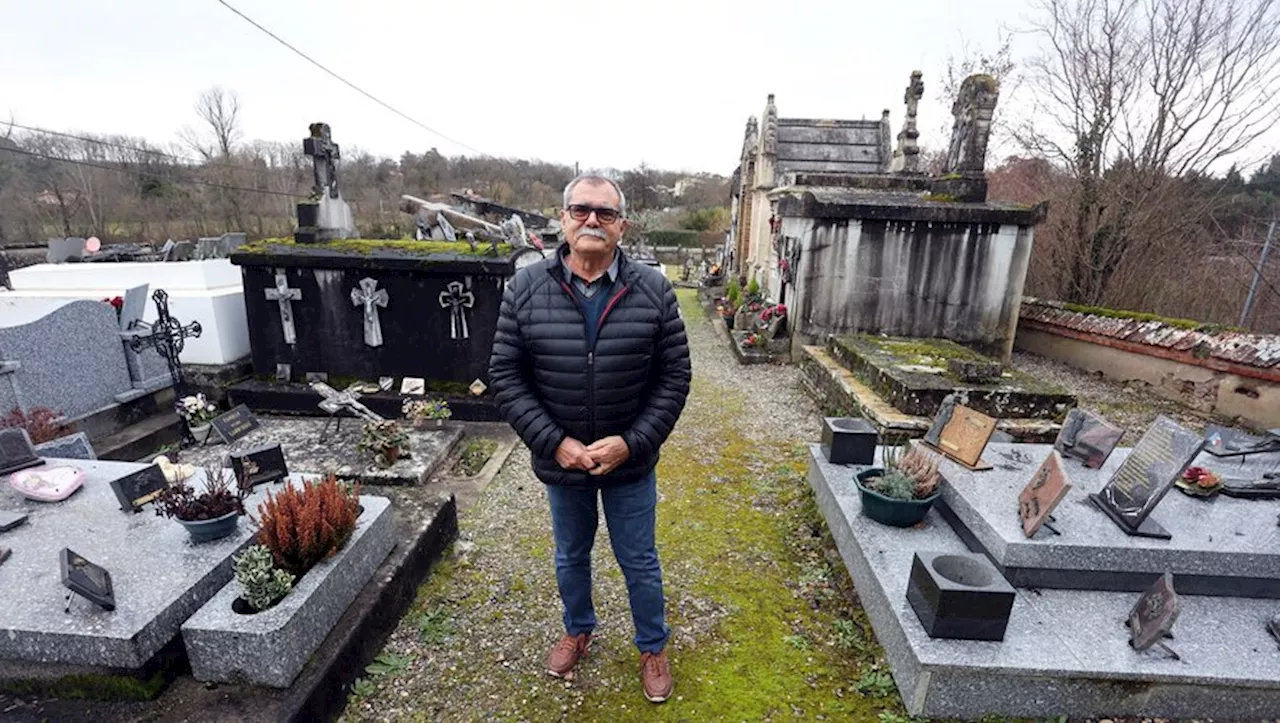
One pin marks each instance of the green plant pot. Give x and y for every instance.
(887, 510)
(209, 530)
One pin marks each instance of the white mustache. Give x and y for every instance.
(597, 233)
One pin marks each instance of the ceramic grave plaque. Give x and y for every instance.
(1146, 475)
(1152, 617)
(235, 424)
(47, 483)
(86, 579)
(16, 451)
(137, 489)
(1088, 438)
(413, 385)
(1045, 490)
(961, 433)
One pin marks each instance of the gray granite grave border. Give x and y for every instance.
(1064, 652)
(1219, 547)
(271, 647)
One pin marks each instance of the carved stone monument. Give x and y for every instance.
(906, 157)
(974, 108)
(325, 216)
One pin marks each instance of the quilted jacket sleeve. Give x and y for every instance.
(670, 386)
(509, 375)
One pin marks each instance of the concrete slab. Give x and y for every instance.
(160, 577)
(1064, 652)
(1220, 546)
(305, 451)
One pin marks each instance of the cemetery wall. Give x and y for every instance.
(1232, 391)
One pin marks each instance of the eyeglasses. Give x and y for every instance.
(578, 212)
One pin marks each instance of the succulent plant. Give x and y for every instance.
(909, 474)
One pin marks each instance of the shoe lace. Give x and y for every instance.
(568, 644)
(654, 664)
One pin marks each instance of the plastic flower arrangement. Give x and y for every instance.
(196, 410)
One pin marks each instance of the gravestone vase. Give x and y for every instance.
(200, 432)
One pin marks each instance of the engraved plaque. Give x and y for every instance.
(965, 436)
(1087, 437)
(235, 424)
(1045, 490)
(1152, 617)
(1146, 475)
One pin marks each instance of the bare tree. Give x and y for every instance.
(220, 111)
(1137, 99)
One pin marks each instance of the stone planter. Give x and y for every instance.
(208, 530)
(271, 647)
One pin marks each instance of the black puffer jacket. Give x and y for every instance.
(548, 384)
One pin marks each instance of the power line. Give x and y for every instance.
(137, 149)
(141, 172)
(348, 83)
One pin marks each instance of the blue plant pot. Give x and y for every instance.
(889, 510)
(207, 530)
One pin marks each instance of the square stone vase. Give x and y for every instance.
(271, 647)
(959, 595)
(849, 440)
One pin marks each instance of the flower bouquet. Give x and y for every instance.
(198, 413)
(1199, 482)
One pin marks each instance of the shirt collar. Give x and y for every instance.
(611, 272)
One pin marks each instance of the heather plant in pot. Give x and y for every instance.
(901, 492)
(208, 514)
(305, 525)
(385, 440)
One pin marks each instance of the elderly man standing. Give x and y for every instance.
(591, 367)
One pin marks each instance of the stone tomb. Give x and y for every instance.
(1219, 546)
(306, 451)
(159, 579)
(1064, 651)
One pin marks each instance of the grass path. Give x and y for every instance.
(765, 625)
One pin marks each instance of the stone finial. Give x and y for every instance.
(750, 139)
(771, 127)
(886, 141)
(906, 158)
(973, 109)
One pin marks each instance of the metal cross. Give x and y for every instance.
(455, 299)
(335, 401)
(167, 336)
(371, 297)
(284, 296)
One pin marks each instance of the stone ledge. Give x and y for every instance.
(271, 647)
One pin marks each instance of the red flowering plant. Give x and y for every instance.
(116, 302)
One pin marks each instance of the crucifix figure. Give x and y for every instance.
(285, 296)
(323, 152)
(335, 401)
(454, 299)
(371, 297)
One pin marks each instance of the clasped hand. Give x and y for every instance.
(599, 457)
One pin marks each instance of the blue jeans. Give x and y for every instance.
(629, 511)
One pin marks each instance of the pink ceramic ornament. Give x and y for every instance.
(47, 483)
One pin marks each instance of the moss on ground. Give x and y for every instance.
(90, 687)
(368, 246)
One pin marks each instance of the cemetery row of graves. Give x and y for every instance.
(223, 469)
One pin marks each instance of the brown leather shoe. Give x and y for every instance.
(656, 675)
(565, 654)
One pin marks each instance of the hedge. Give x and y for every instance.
(688, 239)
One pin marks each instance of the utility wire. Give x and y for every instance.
(141, 172)
(137, 149)
(348, 83)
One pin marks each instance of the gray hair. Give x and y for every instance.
(596, 180)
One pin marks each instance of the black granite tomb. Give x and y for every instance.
(261, 465)
(139, 488)
(16, 452)
(235, 424)
(959, 595)
(90, 581)
(1145, 477)
(849, 440)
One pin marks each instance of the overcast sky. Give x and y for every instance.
(669, 83)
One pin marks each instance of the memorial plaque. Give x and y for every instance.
(962, 434)
(88, 580)
(16, 451)
(139, 488)
(1152, 617)
(10, 520)
(1150, 470)
(413, 385)
(1087, 437)
(4, 554)
(260, 465)
(235, 424)
(1226, 442)
(1045, 490)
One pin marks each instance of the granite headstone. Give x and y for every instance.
(72, 446)
(1087, 437)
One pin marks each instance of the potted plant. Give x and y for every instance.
(419, 411)
(198, 413)
(385, 440)
(262, 584)
(207, 515)
(901, 492)
(303, 526)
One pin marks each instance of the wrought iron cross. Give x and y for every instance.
(167, 336)
(371, 297)
(285, 296)
(324, 153)
(455, 299)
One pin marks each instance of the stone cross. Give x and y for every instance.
(335, 401)
(974, 108)
(455, 299)
(285, 296)
(906, 158)
(323, 152)
(371, 297)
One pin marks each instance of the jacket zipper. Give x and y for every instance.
(591, 353)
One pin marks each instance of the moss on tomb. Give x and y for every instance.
(370, 246)
(90, 687)
(1141, 316)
